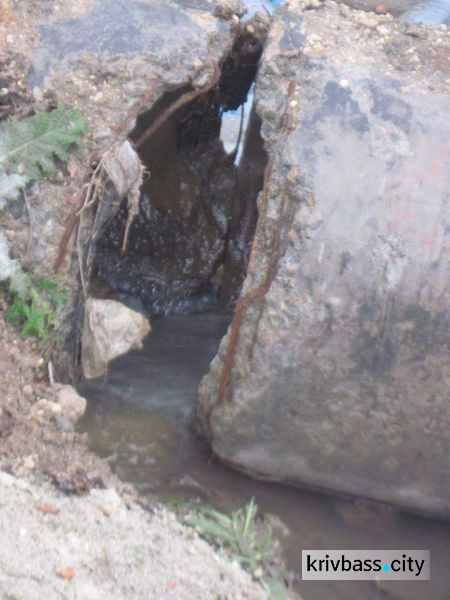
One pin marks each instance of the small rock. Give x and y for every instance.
(41, 403)
(64, 572)
(72, 405)
(48, 509)
(43, 410)
(381, 9)
(383, 30)
(55, 408)
(29, 462)
(27, 390)
(38, 94)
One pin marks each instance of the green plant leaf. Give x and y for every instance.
(250, 514)
(56, 295)
(37, 315)
(35, 142)
(16, 312)
(238, 533)
(29, 149)
(36, 309)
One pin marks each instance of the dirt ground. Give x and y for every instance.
(34, 434)
(99, 546)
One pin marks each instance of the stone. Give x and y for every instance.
(72, 404)
(38, 94)
(27, 390)
(334, 373)
(110, 330)
(383, 30)
(44, 409)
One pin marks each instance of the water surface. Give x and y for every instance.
(139, 417)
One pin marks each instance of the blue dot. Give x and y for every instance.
(386, 567)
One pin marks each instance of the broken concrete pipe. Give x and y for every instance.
(334, 373)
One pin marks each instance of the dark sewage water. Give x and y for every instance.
(140, 418)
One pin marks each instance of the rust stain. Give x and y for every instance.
(260, 291)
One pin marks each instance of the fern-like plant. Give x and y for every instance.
(36, 312)
(29, 147)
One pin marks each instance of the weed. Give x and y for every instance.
(30, 149)
(36, 310)
(237, 531)
(243, 536)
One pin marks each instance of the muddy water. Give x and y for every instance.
(140, 419)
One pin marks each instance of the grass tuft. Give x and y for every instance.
(243, 536)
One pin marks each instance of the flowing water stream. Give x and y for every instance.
(139, 417)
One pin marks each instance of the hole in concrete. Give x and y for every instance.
(187, 252)
(188, 247)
